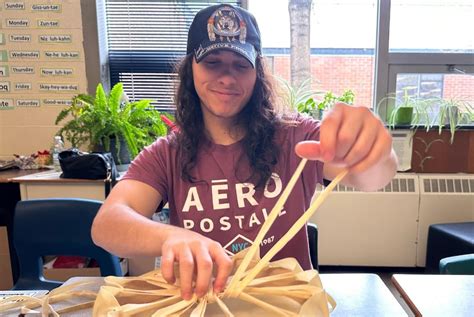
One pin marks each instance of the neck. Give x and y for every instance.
(223, 132)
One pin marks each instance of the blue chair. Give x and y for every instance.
(59, 226)
(459, 264)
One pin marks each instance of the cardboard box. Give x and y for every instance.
(65, 274)
(6, 278)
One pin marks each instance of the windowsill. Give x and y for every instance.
(434, 127)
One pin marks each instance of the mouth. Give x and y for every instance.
(226, 92)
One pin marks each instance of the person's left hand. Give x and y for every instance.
(350, 137)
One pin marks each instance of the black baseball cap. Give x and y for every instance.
(224, 26)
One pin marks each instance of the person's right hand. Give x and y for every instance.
(196, 256)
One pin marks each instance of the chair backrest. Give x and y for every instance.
(458, 264)
(313, 243)
(58, 226)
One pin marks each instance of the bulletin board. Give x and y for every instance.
(42, 60)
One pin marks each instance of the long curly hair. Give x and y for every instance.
(259, 119)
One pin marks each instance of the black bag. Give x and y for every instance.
(95, 165)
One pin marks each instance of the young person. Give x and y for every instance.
(233, 155)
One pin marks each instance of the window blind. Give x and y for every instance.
(145, 39)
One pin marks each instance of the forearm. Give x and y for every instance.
(375, 177)
(124, 232)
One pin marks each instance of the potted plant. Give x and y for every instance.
(408, 110)
(305, 100)
(111, 123)
(452, 112)
(301, 98)
(330, 99)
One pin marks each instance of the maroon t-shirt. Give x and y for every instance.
(221, 204)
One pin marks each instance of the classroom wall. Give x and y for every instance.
(32, 100)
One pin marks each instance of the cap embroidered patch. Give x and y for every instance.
(228, 24)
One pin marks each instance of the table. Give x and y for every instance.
(437, 295)
(355, 294)
(49, 184)
(361, 295)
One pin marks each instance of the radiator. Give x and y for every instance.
(389, 227)
(444, 198)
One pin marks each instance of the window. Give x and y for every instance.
(144, 40)
(426, 46)
(376, 47)
(419, 85)
(343, 37)
(435, 26)
(373, 47)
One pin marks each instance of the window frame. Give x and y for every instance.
(388, 65)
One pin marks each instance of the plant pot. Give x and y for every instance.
(452, 113)
(317, 114)
(403, 115)
(434, 153)
(121, 154)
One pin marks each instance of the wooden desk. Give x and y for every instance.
(356, 295)
(437, 295)
(49, 185)
(7, 176)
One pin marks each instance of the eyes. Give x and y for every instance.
(213, 63)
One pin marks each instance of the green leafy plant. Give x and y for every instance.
(301, 98)
(93, 121)
(451, 112)
(429, 112)
(408, 110)
(330, 99)
(306, 100)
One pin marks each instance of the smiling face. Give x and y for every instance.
(224, 82)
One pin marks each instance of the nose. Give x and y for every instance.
(227, 76)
